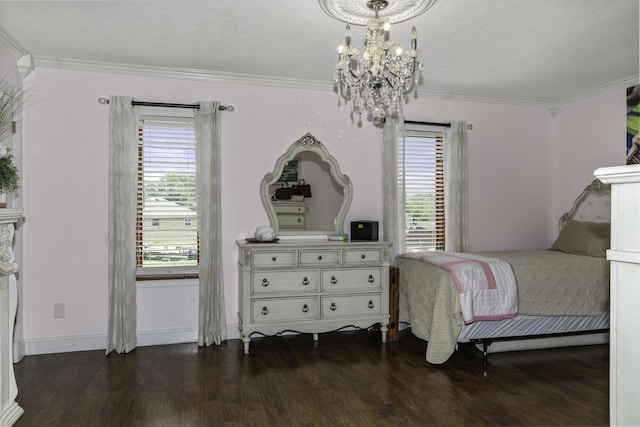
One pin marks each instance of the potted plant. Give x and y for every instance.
(9, 177)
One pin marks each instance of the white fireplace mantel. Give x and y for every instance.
(10, 411)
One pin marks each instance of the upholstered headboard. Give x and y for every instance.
(593, 205)
(586, 228)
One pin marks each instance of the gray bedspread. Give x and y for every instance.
(550, 283)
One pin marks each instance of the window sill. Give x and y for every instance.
(165, 283)
(170, 276)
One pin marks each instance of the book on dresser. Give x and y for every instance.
(312, 286)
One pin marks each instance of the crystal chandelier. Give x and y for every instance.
(378, 76)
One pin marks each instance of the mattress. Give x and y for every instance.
(554, 283)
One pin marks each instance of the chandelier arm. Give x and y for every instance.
(342, 80)
(411, 74)
(344, 88)
(354, 75)
(342, 76)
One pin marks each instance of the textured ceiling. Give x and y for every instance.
(533, 50)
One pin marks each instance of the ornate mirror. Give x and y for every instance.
(318, 210)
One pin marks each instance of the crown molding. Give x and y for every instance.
(179, 73)
(609, 87)
(270, 81)
(471, 97)
(549, 103)
(12, 44)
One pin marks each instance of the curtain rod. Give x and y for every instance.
(105, 101)
(446, 125)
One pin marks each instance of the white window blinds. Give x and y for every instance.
(421, 174)
(166, 232)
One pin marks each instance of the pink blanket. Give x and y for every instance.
(487, 287)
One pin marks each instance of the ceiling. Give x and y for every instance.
(528, 51)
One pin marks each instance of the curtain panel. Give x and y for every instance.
(122, 322)
(212, 328)
(456, 190)
(393, 213)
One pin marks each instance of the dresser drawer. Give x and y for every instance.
(290, 209)
(352, 305)
(269, 282)
(292, 221)
(276, 310)
(351, 279)
(319, 257)
(359, 256)
(274, 259)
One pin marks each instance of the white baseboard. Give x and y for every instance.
(64, 344)
(98, 341)
(18, 351)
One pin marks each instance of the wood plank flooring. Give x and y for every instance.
(345, 379)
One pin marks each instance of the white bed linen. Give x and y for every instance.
(551, 283)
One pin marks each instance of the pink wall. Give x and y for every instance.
(588, 134)
(65, 180)
(508, 170)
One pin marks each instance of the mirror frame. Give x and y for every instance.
(307, 143)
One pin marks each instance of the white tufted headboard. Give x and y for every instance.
(593, 205)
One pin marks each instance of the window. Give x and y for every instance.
(166, 217)
(421, 174)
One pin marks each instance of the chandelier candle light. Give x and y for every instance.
(377, 77)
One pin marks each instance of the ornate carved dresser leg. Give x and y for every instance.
(246, 339)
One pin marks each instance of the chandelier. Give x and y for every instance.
(377, 77)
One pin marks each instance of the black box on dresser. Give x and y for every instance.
(364, 230)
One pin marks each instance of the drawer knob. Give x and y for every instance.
(334, 280)
(305, 308)
(299, 220)
(305, 281)
(265, 311)
(273, 259)
(265, 282)
(370, 305)
(319, 257)
(363, 256)
(371, 279)
(333, 306)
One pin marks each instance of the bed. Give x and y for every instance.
(561, 292)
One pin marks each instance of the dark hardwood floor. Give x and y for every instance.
(345, 379)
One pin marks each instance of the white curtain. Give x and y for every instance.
(121, 330)
(456, 187)
(212, 326)
(393, 218)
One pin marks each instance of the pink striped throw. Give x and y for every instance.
(487, 287)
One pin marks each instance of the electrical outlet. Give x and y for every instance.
(58, 311)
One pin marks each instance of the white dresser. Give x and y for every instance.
(312, 286)
(624, 257)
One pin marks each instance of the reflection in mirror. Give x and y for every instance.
(317, 209)
(317, 212)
